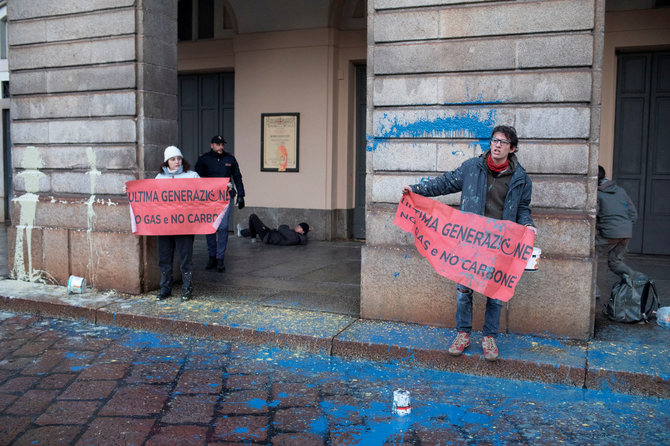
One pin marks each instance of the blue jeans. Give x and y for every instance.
(217, 242)
(464, 312)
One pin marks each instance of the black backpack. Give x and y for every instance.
(633, 299)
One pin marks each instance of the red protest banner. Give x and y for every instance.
(482, 253)
(177, 206)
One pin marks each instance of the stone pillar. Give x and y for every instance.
(94, 102)
(440, 78)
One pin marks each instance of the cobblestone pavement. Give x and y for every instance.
(67, 382)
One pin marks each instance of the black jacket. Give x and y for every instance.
(220, 165)
(284, 235)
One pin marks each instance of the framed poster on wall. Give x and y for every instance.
(279, 142)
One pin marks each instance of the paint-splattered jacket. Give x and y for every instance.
(471, 180)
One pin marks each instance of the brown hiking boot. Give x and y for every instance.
(461, 342)
(490, 348)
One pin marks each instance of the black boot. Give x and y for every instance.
(220, 266)
(187, 287)
(166, 285)
(211, 263)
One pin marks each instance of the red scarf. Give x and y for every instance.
(496, 167)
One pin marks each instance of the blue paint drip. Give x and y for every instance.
(464, 125)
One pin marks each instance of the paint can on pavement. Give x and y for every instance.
(76, 285)
(401, 402)
(534, 260)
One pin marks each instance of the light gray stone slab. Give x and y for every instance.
(27, 9)
(107, 77)
(91, 182)
(394, 4)
(28, 82)
(19, 33)
(75, 105)
(77, 157)
(76, 27)
(516, 18)
(405, 90)
(451, 155)
(559, 192)
(553, 122)
(515, 87)
(408, 25)
(556, 157)
(92, 131)
(450, 56)
(380, 229)
(405, 156)
(397, 283)
(388, 188)
(566, 86)
(555, 51)
(118, 49)
(30, 132)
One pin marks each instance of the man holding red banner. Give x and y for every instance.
(494, 185)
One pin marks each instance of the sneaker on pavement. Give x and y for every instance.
(211, 263)
(186, 294)
(490, 348)
(163, 295)
(220, 266)
(461, 342)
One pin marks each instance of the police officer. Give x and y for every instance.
(217, 163)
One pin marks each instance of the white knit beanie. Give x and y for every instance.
(171, 151)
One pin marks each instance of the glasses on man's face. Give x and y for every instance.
(503, 142)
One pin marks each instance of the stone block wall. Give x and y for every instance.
(441, 76)
(94, 102)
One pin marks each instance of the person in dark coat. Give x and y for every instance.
(283, 235)
(217, 163)
(614, 223)
(494, 185)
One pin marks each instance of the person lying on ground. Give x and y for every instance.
(283, 235)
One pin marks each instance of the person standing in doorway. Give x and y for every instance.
(614, 224)
(494, 185)
(217, 163)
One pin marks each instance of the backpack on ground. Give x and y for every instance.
(633, 299)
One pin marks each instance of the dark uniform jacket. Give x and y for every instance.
(220, 165)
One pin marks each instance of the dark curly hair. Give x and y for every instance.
(509, 132)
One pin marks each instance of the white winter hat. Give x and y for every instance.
(171, 151)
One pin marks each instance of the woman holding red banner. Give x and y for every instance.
(494, 185)
(174, 166)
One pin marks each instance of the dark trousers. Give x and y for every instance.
(218, 241)
(256, 227)
(183, 244)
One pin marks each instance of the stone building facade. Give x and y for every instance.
(94, 102)
(441, 77)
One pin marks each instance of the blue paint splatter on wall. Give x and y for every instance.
(470, 124)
